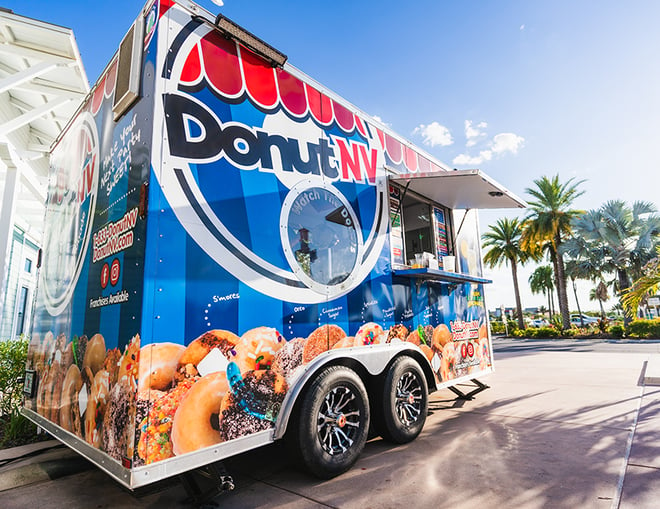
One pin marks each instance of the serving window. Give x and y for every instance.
(418, 226)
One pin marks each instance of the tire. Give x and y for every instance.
(332, 423)
(404, 403)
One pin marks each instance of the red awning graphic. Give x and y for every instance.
(233, 71)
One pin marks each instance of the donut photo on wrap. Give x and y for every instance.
(252, 403)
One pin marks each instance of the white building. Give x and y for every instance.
(42, 82)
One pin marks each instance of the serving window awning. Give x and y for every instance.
(460, 189)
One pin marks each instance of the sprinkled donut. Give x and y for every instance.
(256, 349)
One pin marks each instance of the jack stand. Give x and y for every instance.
(470, 395)
(220, 481)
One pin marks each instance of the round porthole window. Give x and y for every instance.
(321, 237)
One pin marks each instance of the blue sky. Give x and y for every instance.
(519, 89)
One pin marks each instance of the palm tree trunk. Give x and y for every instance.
(602, 311)
(624, 284)
(549, 305)
(516, 291)
(577, 302)
(561, 288)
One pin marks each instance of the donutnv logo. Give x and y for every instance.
(216, 144)
(71, 205)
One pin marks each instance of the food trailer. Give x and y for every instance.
(236, 255)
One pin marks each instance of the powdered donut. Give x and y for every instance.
(95, 353)
(256, 349)
(441, 336)
(98, 399)
(322, 340)
(288, 358)
(69, 408)
(155, 439)
(195, 424)
(369, 333)
(158, 363)
(253, 406)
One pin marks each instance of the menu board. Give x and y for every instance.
(396, 235)
(440, 227)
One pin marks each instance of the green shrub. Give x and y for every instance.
(13, 356)
(616, 331)
(643, 328)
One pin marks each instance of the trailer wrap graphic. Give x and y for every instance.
(238, 227)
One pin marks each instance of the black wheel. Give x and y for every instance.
(404, 403)
(333, 422)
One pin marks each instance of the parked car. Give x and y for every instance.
(587, 320)
(539, 322)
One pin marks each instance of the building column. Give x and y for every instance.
(7, 219)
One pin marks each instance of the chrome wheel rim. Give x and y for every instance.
(338, 420)
(408, 403)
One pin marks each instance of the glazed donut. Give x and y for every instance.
(256, 349)
(414, 338)
(253, 405)
(69, 409)
(95, 353)
(155, 439)
(96, 404)
(322, 340)
(428, 352)
(193, 426)
(129, 364)
(369, 333)
(441, 336)
(447, 362)
(347, 342)
(200, 347)
(158, 362)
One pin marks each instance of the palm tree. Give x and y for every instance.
(540, 281)
(575, 271)
(600, 294)
(548, 224)
(503, 243)
(645, 286)
(622, 237)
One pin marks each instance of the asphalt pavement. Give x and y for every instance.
(564, 424)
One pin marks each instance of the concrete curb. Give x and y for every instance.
(38, 462)
(652, 372)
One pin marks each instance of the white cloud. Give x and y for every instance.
(434, 134)
(378, 119)
(473, 133)
(507, 142)
(522, 27)
(468, 160)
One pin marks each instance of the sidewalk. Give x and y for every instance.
(570, 428)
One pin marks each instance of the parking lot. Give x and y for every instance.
(564, 424)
